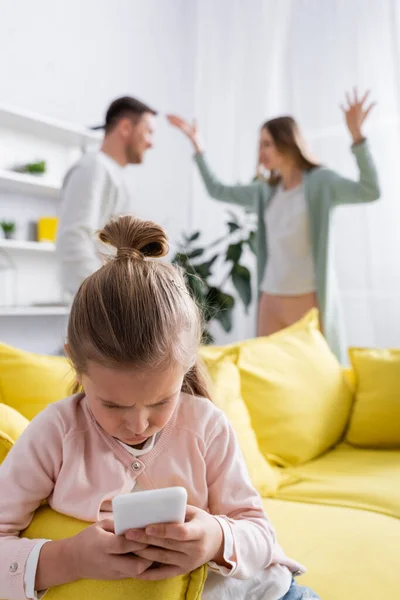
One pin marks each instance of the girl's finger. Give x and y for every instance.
(142, 537)
(163, 572)
(183, 532)
(162, 555)
(107, 525)
(191, 512)
(355, 92)
(349, 103)
(118, 544)
(130, 566)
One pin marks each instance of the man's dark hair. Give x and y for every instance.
(122, 108)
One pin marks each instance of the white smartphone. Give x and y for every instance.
(137, 510)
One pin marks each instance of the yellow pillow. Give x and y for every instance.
(226, 395)
(51, 525)
(12, 424)
(297, 394)
(29, 382)
(375, 421)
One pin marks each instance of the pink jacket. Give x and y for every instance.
(64, 456)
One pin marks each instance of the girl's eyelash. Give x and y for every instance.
(159, 405)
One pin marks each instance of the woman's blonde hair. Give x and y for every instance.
(135, 311)
(289, 140)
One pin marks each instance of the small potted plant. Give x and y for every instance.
(33, 168)
(8, 228)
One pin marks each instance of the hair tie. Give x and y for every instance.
(132, 253)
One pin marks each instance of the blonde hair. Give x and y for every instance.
(135, 311)
(289, 140)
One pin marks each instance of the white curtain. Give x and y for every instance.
(259, 59)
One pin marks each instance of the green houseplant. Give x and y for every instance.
(8, 228)
(199, 263)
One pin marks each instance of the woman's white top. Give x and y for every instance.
(290, 269)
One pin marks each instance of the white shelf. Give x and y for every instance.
(34, 311)
(24, 183)
(46, 127)
(24, 245)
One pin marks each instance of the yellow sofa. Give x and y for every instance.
(335, 506)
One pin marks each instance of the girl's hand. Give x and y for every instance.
(100, 554)
(180, 548)
(355, 113)
(94, 553)
(189, 129)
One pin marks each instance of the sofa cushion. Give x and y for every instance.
(375, 420)
(297, 394)
(49, 524)
(350, 554)
(12, 424)
(29, 382)
(226, 395)
(350, 477)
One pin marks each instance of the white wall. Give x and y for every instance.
(69, 60)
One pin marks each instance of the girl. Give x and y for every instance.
(293, 206)
(142, 422)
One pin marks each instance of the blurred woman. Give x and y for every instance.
(293, 206)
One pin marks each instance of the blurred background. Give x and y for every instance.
(232, 64)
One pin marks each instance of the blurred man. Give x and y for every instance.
(94, 190)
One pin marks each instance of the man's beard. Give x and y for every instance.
(134, 157)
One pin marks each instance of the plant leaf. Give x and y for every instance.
(252, 242)
(207, 338)
(219, 299)
(217, 302)
(241, 280)
(234, 252)
(233, 226)
(180, 259)
(195, 253)
(225, 318)
(197, 287)
(220, 307)
(204, 269)
(195, 236)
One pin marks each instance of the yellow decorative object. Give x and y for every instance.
(12, 424)
(226, 395)
(296, 392)
(47, 229)
(375, 421)
(29, 382)
(51, 525)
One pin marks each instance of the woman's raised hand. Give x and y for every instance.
(189, 129)
(356, 111)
